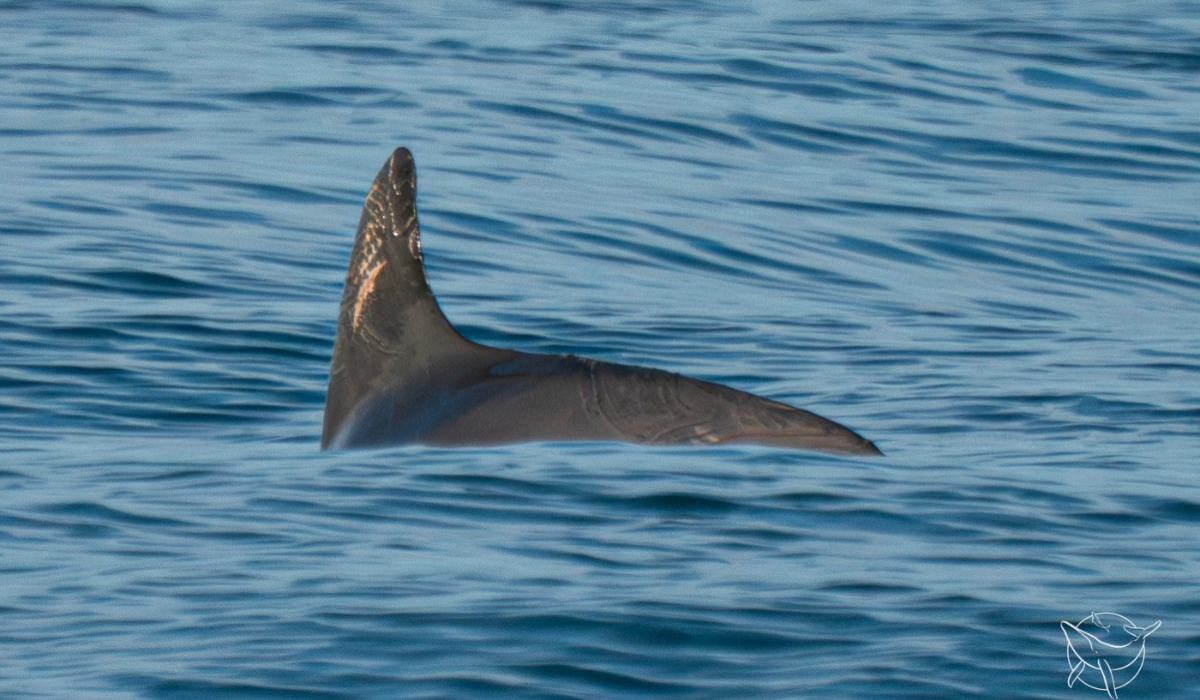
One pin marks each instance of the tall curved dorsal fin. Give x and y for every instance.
(401, 373)
(390, 324)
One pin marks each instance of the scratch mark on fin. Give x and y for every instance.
(364, 290)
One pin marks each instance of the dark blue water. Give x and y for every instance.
(970, 232)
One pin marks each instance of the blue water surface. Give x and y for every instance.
(968, 230)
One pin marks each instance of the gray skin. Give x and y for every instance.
(402, 374)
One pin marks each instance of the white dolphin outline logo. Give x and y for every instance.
(1087, 650)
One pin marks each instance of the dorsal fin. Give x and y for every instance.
(389, 323)
(401, 373)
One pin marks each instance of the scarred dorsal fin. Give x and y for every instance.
(402, 374)
(390, 324)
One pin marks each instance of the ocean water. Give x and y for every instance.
(969, 231)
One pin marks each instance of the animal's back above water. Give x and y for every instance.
(401, 373)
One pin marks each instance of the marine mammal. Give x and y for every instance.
(401, 373)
